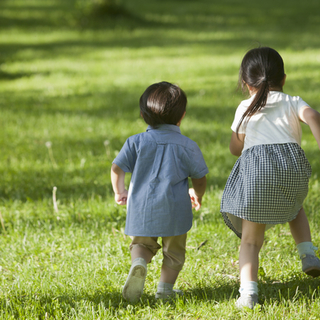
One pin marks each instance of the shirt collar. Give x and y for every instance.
(165, 127)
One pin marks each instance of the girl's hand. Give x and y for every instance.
(195, 200)
(121, 198)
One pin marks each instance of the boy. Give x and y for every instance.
(158, 201)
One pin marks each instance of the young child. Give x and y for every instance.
(269, 181)
(159, 201)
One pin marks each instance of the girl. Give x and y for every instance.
(269, 181)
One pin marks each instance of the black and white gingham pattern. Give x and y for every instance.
(267, 184)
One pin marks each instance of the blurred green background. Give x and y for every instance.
(72, 72)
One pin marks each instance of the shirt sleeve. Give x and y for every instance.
(299, 104)
(127, 156)
(197, 163)
(239, 113)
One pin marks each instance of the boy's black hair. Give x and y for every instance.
(163, 103)
(261, 68)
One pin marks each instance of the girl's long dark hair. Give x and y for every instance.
(261, 68)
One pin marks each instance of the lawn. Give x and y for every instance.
(70, 82)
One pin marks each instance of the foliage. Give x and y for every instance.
(100, 12)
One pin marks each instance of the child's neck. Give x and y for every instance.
(253, 91)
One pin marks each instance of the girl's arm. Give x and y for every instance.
(196, 193)
(117, 180)
(312, 118)
(236, 143)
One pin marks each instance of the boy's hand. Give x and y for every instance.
(121, 198)
(117, 180)
(195, 200)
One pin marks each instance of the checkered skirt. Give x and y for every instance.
(267, 185)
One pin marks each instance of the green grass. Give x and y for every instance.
(73, 77)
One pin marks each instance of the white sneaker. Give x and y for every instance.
(168, 295)
(247, 300)
(134, 285)
(311, 265)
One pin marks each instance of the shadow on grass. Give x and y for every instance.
(237, 20)
(72, 178)
(76, 180)
(38, 184)
(12, 76)
(108, 299)
(272, 292)
(289, 290)
(113, 103)
(90, 181)
(229, 25)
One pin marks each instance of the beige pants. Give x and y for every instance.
(173, 249)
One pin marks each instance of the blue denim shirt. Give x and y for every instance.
(160, 160)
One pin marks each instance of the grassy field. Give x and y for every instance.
(70, 81)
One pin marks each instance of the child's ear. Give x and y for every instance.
(283, 80)
(252, 90)
(178, 124)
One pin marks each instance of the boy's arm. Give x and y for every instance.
(117, 180)
(236, 143)
(312, 118)
(196, 193)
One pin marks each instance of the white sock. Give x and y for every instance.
(165, 287)
(139, 261)
(306, 248)
(249, 287)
